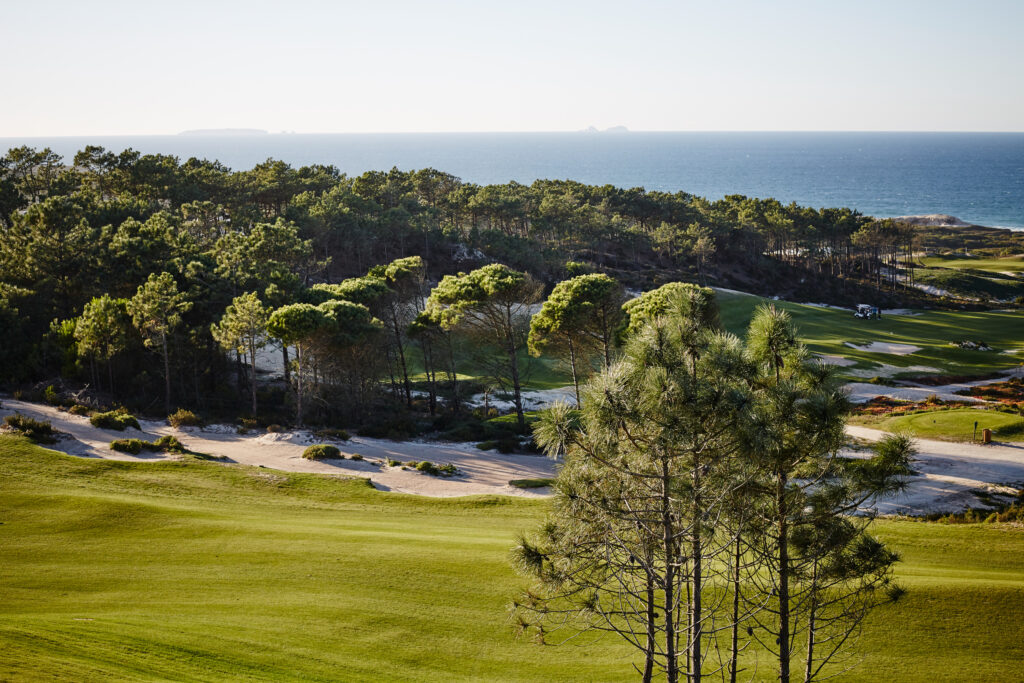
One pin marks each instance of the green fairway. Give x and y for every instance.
(953, 425)
(826, 330)
(1009, 264)
(541, 373)
(196, 571)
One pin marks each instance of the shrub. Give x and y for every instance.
(37, 431)
(508, 444)
(394, 463)
(321, 451)
(51, 396)
(169, 444)
(430, 468)
(79, 409)
(330, 433)
(118, 420)
(531, 483)
(355, 456)
(133, 446)
(183, 418)
(274, 429)
(248, 423)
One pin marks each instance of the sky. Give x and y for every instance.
(102, 67)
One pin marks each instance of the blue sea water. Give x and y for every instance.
(978, 177)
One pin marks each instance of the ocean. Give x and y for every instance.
(977, 177)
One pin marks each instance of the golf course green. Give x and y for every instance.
(193, 570)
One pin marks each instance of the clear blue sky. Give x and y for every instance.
(105, 67)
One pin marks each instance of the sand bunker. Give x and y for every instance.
(480, 472)
(831, 359)
(950, 474)
(886, 347)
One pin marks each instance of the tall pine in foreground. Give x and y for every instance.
(634, 545)
(819, 571)
(705, 506)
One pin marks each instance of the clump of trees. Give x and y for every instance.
(108, 256)
(703, 506)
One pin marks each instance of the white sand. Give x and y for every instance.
(886, 347)
(886, 370)
(832, 359)
(480, 472)
(948, 472)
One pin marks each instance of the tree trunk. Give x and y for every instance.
(516, 392)
(809, 666)
(575, 378)
(167, 375)
(671, 665)
(401, 357)
(298, 384)
(697, 557)
(734, 652)
(252, 355)
(287, 370)
(652, 643)
(783, 531)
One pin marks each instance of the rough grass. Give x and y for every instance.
(952, 425)
(825, 330)
(193, 571)
(1009, 264)
(970, 283)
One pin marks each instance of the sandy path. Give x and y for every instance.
(948, 472)
(479, 472)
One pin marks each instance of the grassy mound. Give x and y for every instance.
(187, 570)
(322, 451)
(956, 425)
(37, 431)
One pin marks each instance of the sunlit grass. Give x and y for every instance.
(197, 571)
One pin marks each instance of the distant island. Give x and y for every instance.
(224, 131)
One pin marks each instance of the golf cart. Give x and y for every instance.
(867, 312)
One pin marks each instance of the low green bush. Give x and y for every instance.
(169, 444)
(37, 431)
(427, 467)
(355, 456)
(118, 420)
(321, 451)
(331, 433)
(79, 409)
(394, 463)
(274, 429)
(531, 483)
(183, 418)
(133, 446)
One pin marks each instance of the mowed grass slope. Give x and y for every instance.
(1007, 264)
(951, 425)
(197, 571)
(826, 330)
